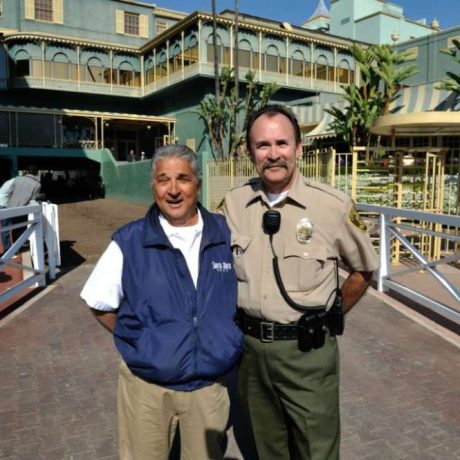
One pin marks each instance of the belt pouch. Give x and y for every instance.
(311, 331)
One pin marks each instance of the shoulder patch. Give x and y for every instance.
(355, 218)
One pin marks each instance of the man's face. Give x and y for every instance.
(275, 151)
(175, 190)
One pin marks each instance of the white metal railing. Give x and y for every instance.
(391, 225)
(40, 226)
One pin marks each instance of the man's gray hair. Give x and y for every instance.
(179, 151)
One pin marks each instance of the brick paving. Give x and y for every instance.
(58, 370)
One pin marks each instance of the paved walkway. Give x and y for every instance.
(58, 369)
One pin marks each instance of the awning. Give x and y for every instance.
(421, 110)
(307, 115)
(418, 124)
(425, 98)
(322, 131)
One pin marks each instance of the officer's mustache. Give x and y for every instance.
(274, 164)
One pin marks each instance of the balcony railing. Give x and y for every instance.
(204, 68)
(76, 86)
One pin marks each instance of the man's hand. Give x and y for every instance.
(353, 288)
(107, 318)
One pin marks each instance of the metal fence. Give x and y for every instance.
(40, 226)
(441, 275)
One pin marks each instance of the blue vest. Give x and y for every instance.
(167, 331)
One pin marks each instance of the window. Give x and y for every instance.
(45, 10)
(273, 61)
(149, 71)
(246, 56)
(161, 67)
(22, 68)
(344, 73)
(223, 52)
(22, 64)
(93, 71)
(191, 51)
(322, 68)
(131, 23)
(176, 60)
(161, 26)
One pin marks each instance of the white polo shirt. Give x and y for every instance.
(103, 289)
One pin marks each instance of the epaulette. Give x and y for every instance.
(338, 194)
(248, 183)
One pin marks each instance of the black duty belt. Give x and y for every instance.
(266, 331)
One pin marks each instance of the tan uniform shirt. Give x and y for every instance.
(307, 268)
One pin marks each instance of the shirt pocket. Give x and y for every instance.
(302, 266)
(240, 244)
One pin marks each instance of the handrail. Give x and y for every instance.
(41, 226)
(388, 228)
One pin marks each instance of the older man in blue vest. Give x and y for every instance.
(166, 289)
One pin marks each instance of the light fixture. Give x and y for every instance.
(106, 124)
(149, 127)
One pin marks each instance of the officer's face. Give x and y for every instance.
(175, 190)
(275, 151)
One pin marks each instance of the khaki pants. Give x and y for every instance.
(291, 399)
(148, 416)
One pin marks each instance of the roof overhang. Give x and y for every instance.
(418, 124)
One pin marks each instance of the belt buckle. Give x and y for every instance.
(267, 331)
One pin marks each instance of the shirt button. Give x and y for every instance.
(265, 296)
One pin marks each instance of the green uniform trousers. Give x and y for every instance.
(291, 399)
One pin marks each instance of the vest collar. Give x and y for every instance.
(154, 234)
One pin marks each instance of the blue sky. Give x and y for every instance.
(297, 11)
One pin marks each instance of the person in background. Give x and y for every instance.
(26, 188)
(131, 157)
(5, 192)
(288, 234)
(166, 289)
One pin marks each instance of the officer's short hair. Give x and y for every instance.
(179, 151)
(272, 110)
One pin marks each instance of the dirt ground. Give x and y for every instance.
(86, 227)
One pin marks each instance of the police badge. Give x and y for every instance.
(304, 230)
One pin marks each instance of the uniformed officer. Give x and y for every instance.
(289, 375)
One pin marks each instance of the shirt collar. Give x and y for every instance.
(171, 230)
(296, 193)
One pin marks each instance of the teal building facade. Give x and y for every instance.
(83, 83)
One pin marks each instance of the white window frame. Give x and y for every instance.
(57, 11)
(120, 21)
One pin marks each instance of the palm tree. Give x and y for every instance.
(391, 71)
(453, 84)
(382, 73)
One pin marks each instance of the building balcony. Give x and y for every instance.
(203, 69)
(76, 86)
(283, 80)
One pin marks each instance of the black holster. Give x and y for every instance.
(312, 327)
(311, 330)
